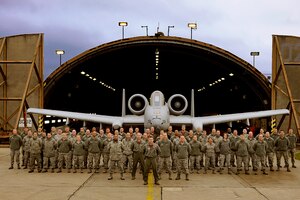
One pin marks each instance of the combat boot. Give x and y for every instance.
(30, 171)
(19, 166)
(271, 169)
(90, 171)
(247, 172)
(44, 170)
(69, 170)
(294, 166)
(278, 168)
(39, 170)
(122, 177)
(81, 170)
(52, 170)
(198, 171)
(156, 183)
(229, 171)
(11, 167)
(178, 177)
(221, 171)
(97, 171)
(265, 173)
(25, 167)
(145, 183)
(170, 176)
(288, 169)
(187, 177)
(75, 171)
(59, 170)
(213, 171)
(110, 177)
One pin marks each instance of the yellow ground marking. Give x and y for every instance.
(153, 192)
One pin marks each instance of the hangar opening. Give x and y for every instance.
(92, 82)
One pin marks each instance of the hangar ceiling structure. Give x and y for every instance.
(92, 82)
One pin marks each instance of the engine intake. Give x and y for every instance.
(177, 104)
(137, 104)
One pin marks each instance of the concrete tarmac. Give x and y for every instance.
(19, 184)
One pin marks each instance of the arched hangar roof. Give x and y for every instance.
(223, 83)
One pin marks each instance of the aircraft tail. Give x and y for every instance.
(192, 104)
(123, 103)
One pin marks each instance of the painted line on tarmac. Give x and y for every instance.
(152, 191)
(150, 188)
(81, 186)
(246, 184)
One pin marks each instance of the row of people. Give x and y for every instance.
(217, 149)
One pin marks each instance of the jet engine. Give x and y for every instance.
(137, 104)
(177, 104)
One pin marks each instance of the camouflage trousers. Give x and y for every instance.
(78, 161)
(291, 153)
(210, 160)
(183, 166)
(283, 154)
(127, 159)
(242, 160)
(64, 158)
(113, 164)
(35, 157)
(46, 162)
(195, 161)
(164, 163)
(225, 159)
(26, 158)
(93, 160)
(14, 155)
(270, 158)
(262, 161)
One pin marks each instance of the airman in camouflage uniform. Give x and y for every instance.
(15, 143)
(242, 151)
(78, 154)
(94, 146)
(224, 147)
(106, 151)
(127, 152)
(35, 146)
(115, 149)
(260, 149)
(270, 150)
(196, 154)
(183, 150)
(292, 147)
(166, 148)
(209, 149)
(282, 144)
(49, 149)
(26, 148)
(64, 146)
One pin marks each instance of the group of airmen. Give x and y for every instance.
(178, 151)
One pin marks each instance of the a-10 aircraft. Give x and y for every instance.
(158, 113)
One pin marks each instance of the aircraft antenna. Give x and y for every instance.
(123, 103)
(192, 104)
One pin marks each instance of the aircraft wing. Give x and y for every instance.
(200, 121)
(114, 120)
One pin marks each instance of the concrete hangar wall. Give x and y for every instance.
(92, 82)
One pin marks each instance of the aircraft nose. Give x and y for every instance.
(156, 122)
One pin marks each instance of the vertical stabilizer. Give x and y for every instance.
(123, 103)
(192, 104)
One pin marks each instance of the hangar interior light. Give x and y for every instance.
(94, 79)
